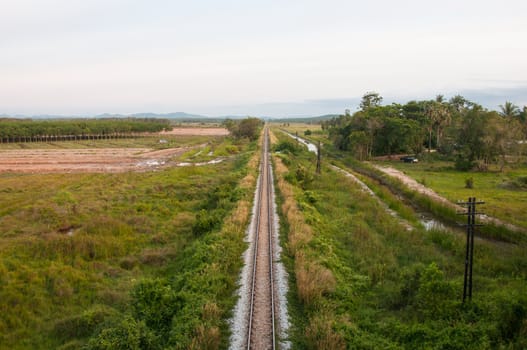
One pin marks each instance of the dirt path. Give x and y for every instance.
(416, 186)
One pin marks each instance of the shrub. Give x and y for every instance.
(82, 325)
(287, 147)
(205, 222)
(463, 164)
(511, 316)
(435, 294)
(155, 303)
(129, 334)
(304, 176)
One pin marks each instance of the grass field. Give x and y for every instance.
(316, 132)
(387, 287)
(78, 250)
(504, 193)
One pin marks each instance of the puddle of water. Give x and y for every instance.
(430, 223)
(311, 147)
(150, 162)
(214, 161)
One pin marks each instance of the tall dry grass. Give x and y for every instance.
(207, 338)
(313, 280)
(320, 334)
(299, 232)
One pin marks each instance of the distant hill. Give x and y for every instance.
(307, 120)
(174, 115)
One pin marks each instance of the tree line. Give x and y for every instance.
(28, 130)
(458, 128)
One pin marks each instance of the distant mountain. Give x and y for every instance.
(308, 120)
(233, 116)
(174, 115)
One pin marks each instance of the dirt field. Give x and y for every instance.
(86, 160)
(98, 160)
(197, 131)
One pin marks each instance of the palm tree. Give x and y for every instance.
(438, 116)
(509, 110)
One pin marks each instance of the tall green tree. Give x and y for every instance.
(370, 100)
(509, 110)
(247, 127)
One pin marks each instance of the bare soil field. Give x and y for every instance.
(197, 131)
(97, 160)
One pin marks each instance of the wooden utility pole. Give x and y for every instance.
(469, 253)
(318, 158)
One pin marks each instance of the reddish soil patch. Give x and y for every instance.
(97, 160)
(197, 132)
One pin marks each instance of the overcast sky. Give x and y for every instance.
(277, 58)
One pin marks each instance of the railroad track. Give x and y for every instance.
(261, 319)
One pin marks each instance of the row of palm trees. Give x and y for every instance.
(27, 130)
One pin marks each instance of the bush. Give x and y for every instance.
(435, 295)
(463, 164)
(129, 334)
(155, 303)
(511, 317)
(287, 147)
(206, 221)
(82, 325)
(304, 176)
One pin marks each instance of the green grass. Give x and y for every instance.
(399, 289)
(317, 134)
(75, 249)
(219, 147)
(504, 196)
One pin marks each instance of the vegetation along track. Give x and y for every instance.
(261, 324)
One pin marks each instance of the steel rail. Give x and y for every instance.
(270, 227)
(265, 172)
